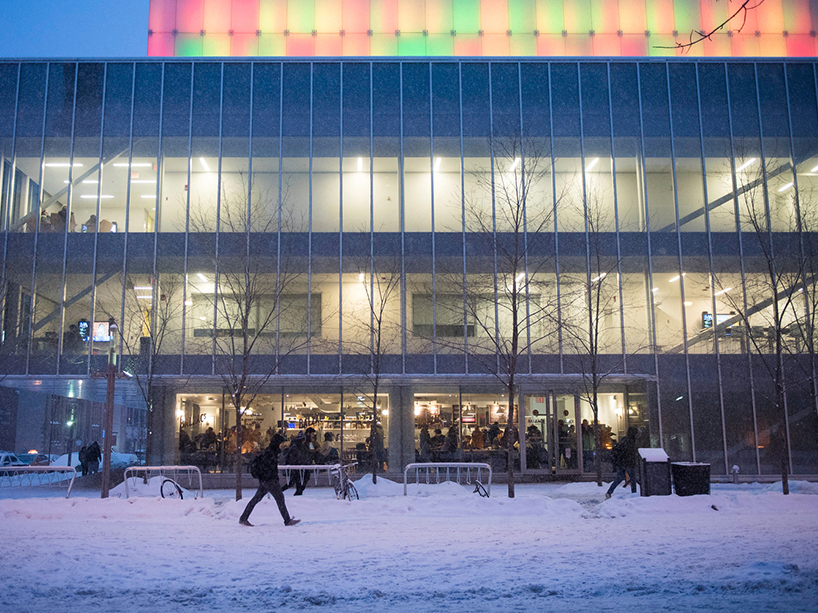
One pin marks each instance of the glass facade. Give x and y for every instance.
(360, 223)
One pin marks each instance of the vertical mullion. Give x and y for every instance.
(187, 215)
(280, 205)
(32, 298)
(708, 229)
(160, 173)
(619, 279)
(127, 224)
(432, 193)
(217, 238)
(525, 226)
(101, 164)
(341, 218)
(554, 213)
(593, 341)
(737, 215)
(463, 218)
(650, 300)
(402, 234)
(498, 343)
(309, 234)
(678, 231)
(69, 211)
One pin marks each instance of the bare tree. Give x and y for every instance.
(510, 289)
(257, 309)
(375, 333)
(735, 22)
(772, 308)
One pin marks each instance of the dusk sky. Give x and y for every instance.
(74, 28)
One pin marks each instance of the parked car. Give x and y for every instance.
(34, 459)
(9, 459)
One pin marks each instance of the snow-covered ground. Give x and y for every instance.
(552, 548)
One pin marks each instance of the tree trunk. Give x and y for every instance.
(510, 442)
(238, 453)
(597, 445)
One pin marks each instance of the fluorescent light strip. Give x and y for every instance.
(520, 277)
(143, 288)
(144, 297)
(688, 304)
(360, 164)
(133, 165)
(814, 169)
(514, 165)
(201, 276)
(723, 291)
(148, 196)
(437, 164)
(61, 164)
(676, 278)
(204, 164)
(746, 164)
(785, 187)
(591, 165)
(143, 181)
(599, 278)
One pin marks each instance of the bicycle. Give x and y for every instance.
(479, 488)
(344, 488)
(171, 489)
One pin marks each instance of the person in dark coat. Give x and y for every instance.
(268, 484)
(623, 457)
(93, 455)
(298, 454)
(83, 456)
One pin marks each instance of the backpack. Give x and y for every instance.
(618, 453)
(332, 456)
(264, 467)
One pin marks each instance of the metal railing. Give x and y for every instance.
(14, 476)
(289, 469)
(459, 468)
(145, 473)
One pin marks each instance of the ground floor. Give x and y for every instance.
(727, 421)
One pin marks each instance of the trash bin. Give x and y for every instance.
(654, 472)
(691, 478)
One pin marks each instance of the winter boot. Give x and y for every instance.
(292, 521)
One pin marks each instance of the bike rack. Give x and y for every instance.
(38, 473)
(288, 469)
(164, 471)
(437, 466)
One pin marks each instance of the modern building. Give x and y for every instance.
(542, 195)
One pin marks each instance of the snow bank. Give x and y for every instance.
(118, 460)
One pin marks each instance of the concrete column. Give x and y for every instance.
(401, 428)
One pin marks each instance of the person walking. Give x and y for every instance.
(298, 454)
(623, 457)
(264, 467)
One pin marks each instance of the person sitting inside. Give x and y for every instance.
(477, 441)
(91, 224)
(327, 453)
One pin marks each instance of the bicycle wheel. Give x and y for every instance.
(479, 488)
(171, 489)
(352, 493)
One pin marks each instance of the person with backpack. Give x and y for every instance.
(623, 458)
(264, 467)
(298, 454)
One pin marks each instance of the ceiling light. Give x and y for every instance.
(143, 181)
(514, 165)
(724, 291)
(785, 187)
(148, 196)
(144, 287)
(360, 164)
(437, 164)
(591, 165)
(676, 278)
(201, 276)
(361, 277)
(188, 303)
(133, 165)
(599, 278)
(203, 318)
(745, 164)
(520, 277)
(655, 289)
(61, 164)
(814, 169)
(204, 164)
(688, 303)
(144, 297)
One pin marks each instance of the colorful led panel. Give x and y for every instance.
(774, 28)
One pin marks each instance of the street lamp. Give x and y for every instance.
(70, 425)
(111, 375)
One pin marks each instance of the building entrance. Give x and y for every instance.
(550, 437)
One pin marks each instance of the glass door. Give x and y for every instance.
(551, 436)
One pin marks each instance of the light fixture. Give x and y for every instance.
(688, 303)
(437, 164)
(204, 164)
(593, 163)
(360, 164)
(144, 297)
(745, 164)
(148, 196)
(61, 164)
(520, 277)
(203, 318)
(723, 291)
(785, 187)
(599, 277)
(143, 287)
(133, 165)
(361, 277)
(676, 278)
(814, 169)
(201, 276)
(188, 303)
(514, 165)
(143, 181)
(655, 289)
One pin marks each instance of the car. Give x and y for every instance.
(34, 459)
(9, 459)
